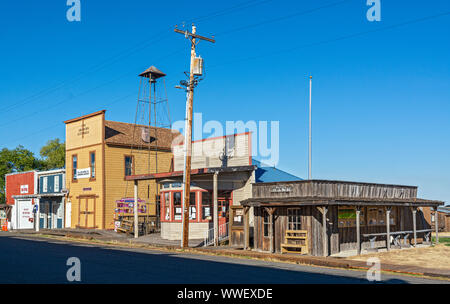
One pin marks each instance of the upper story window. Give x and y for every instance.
(45, 184)
(128, 165)
(56, 183)
(92, 163)
(74, 166)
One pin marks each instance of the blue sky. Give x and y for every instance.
(380, 93)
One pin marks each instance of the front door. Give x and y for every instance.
(25, 214)
(224, 201)
(86, 216)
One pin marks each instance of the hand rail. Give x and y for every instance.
(209, 235)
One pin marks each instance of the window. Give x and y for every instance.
(74, 167)
(206, 205)
(167, 205)
(56, 183)
(347, 216)
(377, 216)
(45, 184)
(192, 206)
(128, 165)
(92, 162)
(294, 219)
(266, 223)
(177, 205)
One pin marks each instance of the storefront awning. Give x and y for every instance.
(201, 171)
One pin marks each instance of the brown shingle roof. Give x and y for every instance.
(121, 133)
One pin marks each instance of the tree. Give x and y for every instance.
(53, 154)
(17, 160)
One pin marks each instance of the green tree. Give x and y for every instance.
(53, 154)
(16, 160)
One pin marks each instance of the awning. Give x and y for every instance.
(202, 171)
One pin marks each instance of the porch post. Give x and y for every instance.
(246, 229)
(216, 211)
(271, 230)
(414, 214)
(358, 230)
(37, 215)
(324, 231)
(436, 218)
(136, 217)
(271, 211)
(388, 228)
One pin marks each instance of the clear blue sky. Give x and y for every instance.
(381, 98)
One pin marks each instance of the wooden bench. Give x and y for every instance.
(295, 241)
(396, 237)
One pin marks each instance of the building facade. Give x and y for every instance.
(100, 154)
(51, 200)
(222, 174)
(21, 190)
(320, 217)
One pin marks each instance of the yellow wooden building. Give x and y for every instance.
(99, 155)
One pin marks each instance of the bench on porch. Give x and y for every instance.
(396, 237)
(295, 241)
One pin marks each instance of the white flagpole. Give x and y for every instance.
(310, 137)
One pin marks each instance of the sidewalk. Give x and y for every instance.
(154, 241)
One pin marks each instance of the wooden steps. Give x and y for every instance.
(295, 241)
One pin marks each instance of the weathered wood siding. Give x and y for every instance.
(332, 189)
(339, 238)
(311, 220)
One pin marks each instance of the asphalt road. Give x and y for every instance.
(44, 261)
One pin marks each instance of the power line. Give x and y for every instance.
(230, 10)
(335, 39)
(59, 123)
(127, 52)
(282, 18)
(81, 94)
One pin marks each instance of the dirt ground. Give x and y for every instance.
(437, 257)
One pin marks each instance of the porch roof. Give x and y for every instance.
(201, 171)
(327, 201)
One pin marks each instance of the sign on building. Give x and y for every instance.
(23, 189)
(83, 173)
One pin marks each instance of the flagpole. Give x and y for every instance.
(310, 136)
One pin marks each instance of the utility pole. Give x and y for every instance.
(188, 132)
(310, 136)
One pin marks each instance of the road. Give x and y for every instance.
(44, 261)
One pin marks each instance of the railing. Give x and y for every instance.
(209, 235)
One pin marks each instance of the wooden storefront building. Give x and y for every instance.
(100, 154)
(322, 218)
(222, 175)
